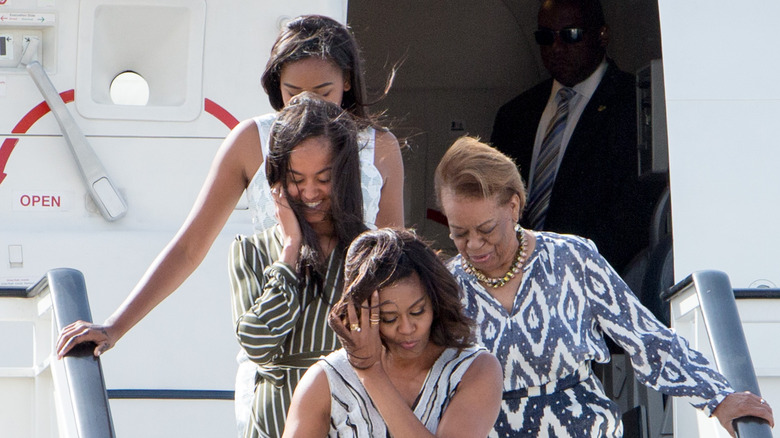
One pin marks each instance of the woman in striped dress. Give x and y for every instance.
(289, 274)
(321, 55)
(409, 367)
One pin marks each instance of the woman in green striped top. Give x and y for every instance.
(286, 278)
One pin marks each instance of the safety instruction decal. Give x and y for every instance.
(17, 18)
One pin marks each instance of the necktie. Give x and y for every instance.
(547, 162)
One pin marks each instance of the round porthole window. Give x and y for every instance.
(129, 88)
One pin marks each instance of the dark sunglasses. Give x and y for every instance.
(569, 35)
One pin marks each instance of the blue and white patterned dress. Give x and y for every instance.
(568, 298)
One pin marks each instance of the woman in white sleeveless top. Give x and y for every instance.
(409, 367)
(312, 53)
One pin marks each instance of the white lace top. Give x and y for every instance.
(259, 192)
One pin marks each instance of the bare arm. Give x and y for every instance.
(388, 160)
(309, 414)
(237, 160)
(474, 409)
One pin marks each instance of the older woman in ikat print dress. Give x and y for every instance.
(543, 302)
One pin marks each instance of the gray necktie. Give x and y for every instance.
(547, 162)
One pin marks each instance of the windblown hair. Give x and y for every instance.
(474, 169)
(317, 36)
(305, 117)
(380, 258)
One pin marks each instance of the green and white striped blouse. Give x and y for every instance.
(281, 331)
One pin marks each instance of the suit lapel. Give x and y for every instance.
(595, 115)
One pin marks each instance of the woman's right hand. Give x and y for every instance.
(360, 335)
(291, 229)
(742, 404)
(79, 332)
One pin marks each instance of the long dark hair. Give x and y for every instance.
(308, 116)
(380, 258)
(322, 37)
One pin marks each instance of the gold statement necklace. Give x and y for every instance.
(496, 282)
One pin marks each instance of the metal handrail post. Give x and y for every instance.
(729, 345)
(83, 370)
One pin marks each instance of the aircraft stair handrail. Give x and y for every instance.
(96, 180)
(727, 338)
(83, 371)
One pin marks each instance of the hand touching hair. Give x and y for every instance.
(380, 258)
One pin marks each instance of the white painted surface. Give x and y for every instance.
(761, 325)
(723, 102)
(158, 165)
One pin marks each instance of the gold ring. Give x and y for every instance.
(374, 321)
(354, 328)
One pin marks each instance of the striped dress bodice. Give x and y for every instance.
(353, 413)
(280, 331)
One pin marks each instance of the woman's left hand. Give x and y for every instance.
(360, 336)
(742, 404)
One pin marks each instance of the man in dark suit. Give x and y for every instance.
(596, 191)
